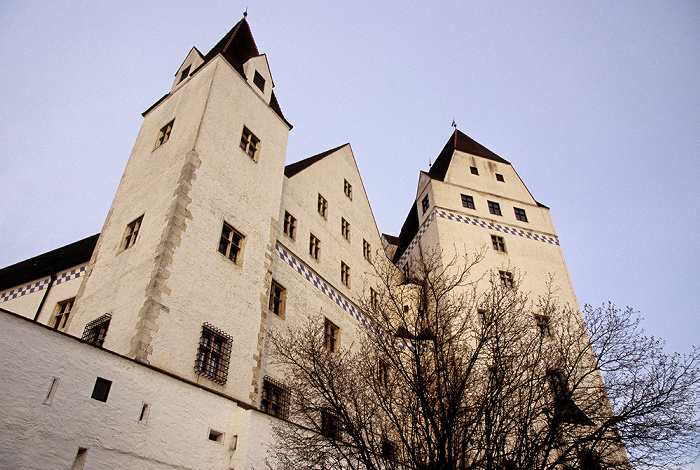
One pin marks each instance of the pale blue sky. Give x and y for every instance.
(596, 104)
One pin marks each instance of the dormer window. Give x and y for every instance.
(185, 73)
(259, 81)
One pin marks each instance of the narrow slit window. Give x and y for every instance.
(52, 391)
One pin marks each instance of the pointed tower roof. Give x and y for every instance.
(463, 143)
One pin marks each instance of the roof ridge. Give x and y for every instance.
(294, 168)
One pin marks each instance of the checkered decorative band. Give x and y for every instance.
(37, 286)
(332, 294)
(477, 223)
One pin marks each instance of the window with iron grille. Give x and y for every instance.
(62, 312)
(494, 208)
(425, 203)
(213, 354)
(468, 201)
(95, 331)
(275, 399)
(345, 274)
(345, 228)
(366, 250)
(231, 243)
(249, 143)
(164, 134)
(322, 206)
(331, 335)
(498, 243)
(520, 214)
(290, 225)
(331, 426)
(314, 246)
(277, 298)
(347, 187)
(132, 231)
(506, 278)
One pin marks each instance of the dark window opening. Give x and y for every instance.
(185, 73)
(474, 170)
(259, 81)
(520, 214)
(499, 177)
(468, 201)
(101, 390)
(213, 354)
(494, 208)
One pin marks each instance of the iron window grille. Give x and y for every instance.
(96, 330)
(468, 202)
(331, 426)
(290, 225)
(520, 214)
(494, 208)
(132, 231)
(249, 143)
(63, 310)
(498, 243)
(213, 354)
(275, 399)
(231, 243)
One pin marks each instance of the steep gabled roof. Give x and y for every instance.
(408, 231)
(463, 143)
(294, 168)
(44, 265)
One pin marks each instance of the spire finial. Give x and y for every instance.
(454, 124)
(245, 13)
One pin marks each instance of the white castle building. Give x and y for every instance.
(145, 346)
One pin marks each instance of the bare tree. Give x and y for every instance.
(448, 377)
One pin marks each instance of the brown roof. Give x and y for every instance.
(463, 143)
(294, 168)
(52, 262)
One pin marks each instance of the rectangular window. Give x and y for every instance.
(348, 189)
(494, 208)
(132, 231)
(164, 134)
(231, 243)
(383, 373)
(366, 250)
(213, 354)
(506, 278)
(542, 322)
(62, 312)
(468, 202)
(290, 225)
(388, 450)
(425, 203)
(499, 177)
(481, 314)
(331, 336)
(330, 425)
(185, 73)
(277, 298)
(345, 228)
(322, 206)
(274, 400)
(101, 390)
(96, 330)
(345, 274)
(520, 214)
(259, 81)
(373, 299)
(250, 143)
(498, 243)
(474, 170)
(314, 247)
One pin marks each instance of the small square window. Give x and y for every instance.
(274, 400)
(101, 390)
(425, 204)
(494, 208)
(314, 246)
(331, 336)
(542, 322)
(216, 436)
(278, 296)
(61, 314)
(213, 354)
(345, 274)
(506, 278)
(330, 425)
(499, 177)
(366, 250)
(348, 189)
(164, 134)
(474, 170)
(95, 331)
(468, 202)
(249, 143)
(520, 214)
(259, 81)
(185, 73)
(345, 228)
(498, 243)
(132, 231)
(290, 225)
(322, 206)
(231, 243)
